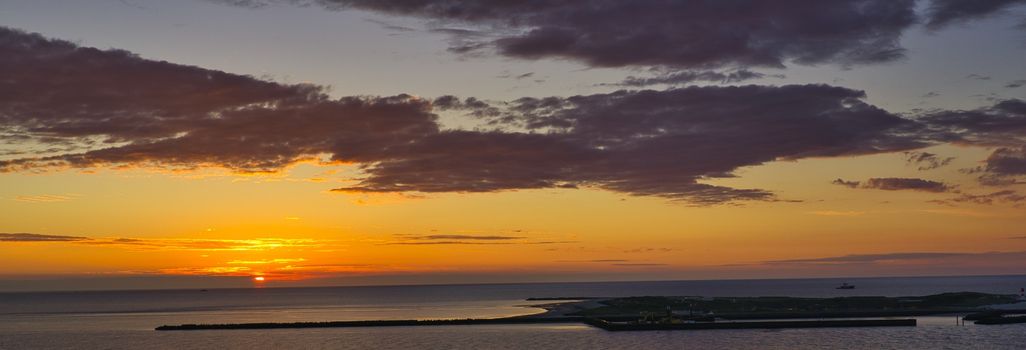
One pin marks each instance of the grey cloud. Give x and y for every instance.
(926, 160)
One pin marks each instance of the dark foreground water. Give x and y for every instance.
(125, 319)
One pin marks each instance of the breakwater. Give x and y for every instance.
(618, 326)
(606, 324)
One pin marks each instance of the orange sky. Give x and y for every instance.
(287, 228)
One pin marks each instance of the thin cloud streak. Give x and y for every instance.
(32, 237)
(45, 198)
(900, 257)
(256, 244)
(897, 184)
(464, 237)
(415, 243)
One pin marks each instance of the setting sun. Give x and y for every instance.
(258, 278)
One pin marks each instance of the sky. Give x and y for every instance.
(202, 144)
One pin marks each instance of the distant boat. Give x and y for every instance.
(846, 286)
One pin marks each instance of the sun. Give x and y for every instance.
(259, 278)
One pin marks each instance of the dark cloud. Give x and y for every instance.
(32, 237)
(926, 160)
(658, 143)
(1016, 84)
(123, 110)
(682, 34)
(975, 76)
(896, 184)
(941, 13)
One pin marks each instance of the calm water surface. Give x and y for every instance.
(125, 319)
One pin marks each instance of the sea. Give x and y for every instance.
(126, 319)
